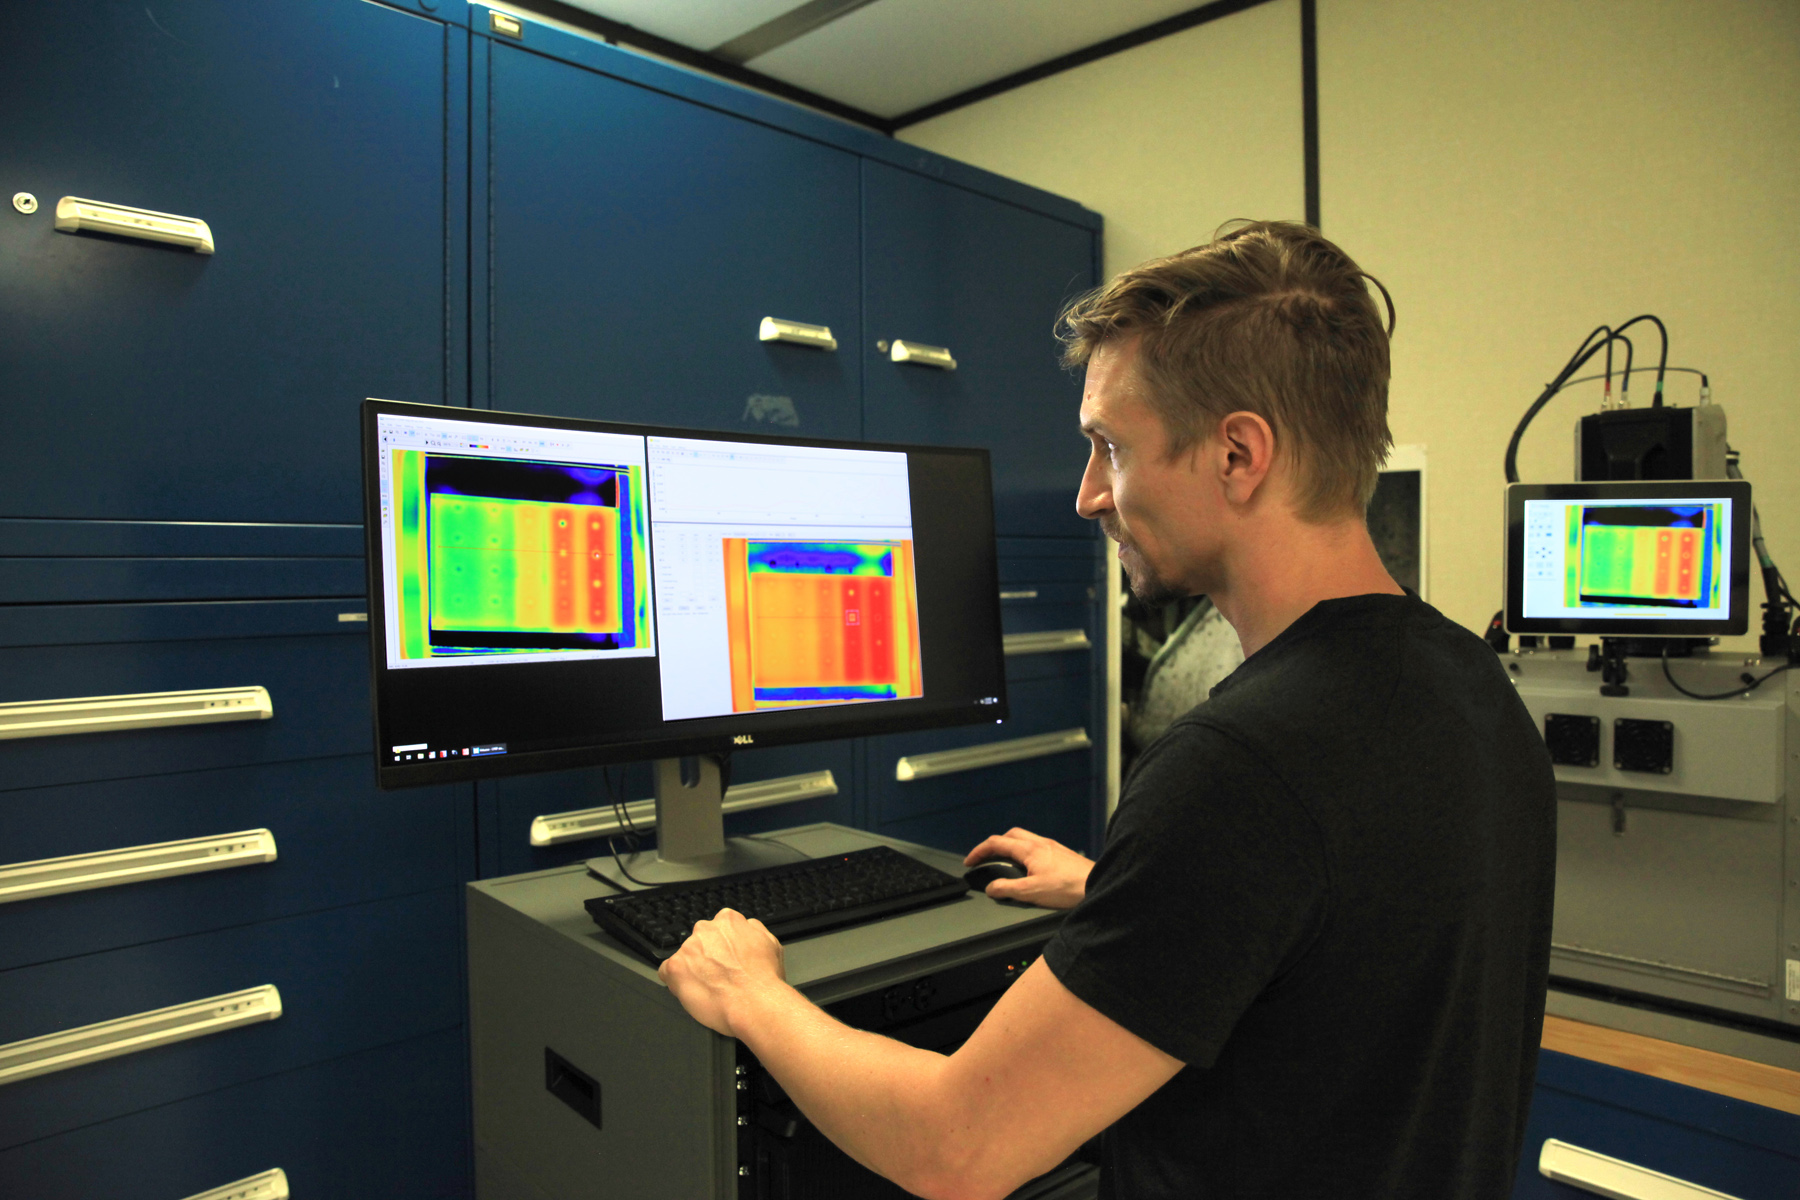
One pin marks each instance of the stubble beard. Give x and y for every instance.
(1150, 588)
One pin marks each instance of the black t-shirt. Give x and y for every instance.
(1327, 891)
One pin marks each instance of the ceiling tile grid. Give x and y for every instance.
(887, 57)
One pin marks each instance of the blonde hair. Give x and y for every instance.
(1270, 318)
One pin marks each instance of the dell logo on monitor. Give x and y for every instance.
(743, 739)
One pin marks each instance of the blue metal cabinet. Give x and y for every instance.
(389, 1122)
(510, 805)
(350, 979)
(1058, 810)
(338, 841)
(318, 686)
(1731, 1146)
(153, 382)
(639, 239)
(1047, 586)
(1038, 706)
(949, 267)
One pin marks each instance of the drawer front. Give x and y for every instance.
(389, 1123)
(1079, 663)
(338, 841)
(516, 801)
(1061, 811)
(319, 687)
(1731, 1146)
(122, 580)
(1039, 706)
(1035, 605)
(350, 979)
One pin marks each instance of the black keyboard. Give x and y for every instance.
(795, 898)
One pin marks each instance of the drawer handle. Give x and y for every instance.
(1021, 594)
(1594, 1172)
(133, 864)
(75, 215)
(270, 1185)
(923, 355)
(145, 710)
(990, 754)
(774, 329)
(1047, 642)
(555, 828)
(127, 1035)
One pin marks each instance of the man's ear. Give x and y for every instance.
(1247, 446)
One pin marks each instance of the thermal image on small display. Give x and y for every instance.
(820, 622)
(509, 556)
(1663, 555)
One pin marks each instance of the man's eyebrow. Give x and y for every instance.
(1094, 426)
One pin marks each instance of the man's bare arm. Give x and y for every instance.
(1042, 1074)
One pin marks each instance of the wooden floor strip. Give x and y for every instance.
(1741, 1079)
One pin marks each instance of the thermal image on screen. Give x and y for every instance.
(820, 622)
(1660, 555)
(511, 556)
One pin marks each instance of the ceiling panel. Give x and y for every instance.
(892, 56)
(701, 24)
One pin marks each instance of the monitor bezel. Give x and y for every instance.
(1738, 567)
(766, 729)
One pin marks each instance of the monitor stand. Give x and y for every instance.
(690, 831)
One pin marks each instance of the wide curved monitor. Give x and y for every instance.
(549, 592)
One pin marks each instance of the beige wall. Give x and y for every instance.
(1519, 173)
(1167, 141)
(1516, 174)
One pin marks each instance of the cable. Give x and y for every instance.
(1640, 371)
(1754, 682)
(1779, 604)
(760, 837)
(1587, 350)
(1625, 383)
(623, 816)
(1662, 362)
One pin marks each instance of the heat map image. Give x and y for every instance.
(820, 622)
(504, 556)
(1659, 555)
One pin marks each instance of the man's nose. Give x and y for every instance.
(1093, 499)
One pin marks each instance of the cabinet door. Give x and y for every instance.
(637, 242)
(153, 382)
(984, 279)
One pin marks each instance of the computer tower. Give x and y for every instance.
(590, 1081)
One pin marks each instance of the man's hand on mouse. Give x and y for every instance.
(725, 962)
(1057, 875)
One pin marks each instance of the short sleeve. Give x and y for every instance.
(1212, 883)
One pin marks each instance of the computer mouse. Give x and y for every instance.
(990, 869)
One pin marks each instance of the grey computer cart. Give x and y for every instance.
(590, 1080)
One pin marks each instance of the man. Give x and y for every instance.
(1311, 960)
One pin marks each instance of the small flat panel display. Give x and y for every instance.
(1639, 559)
(550, 593)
